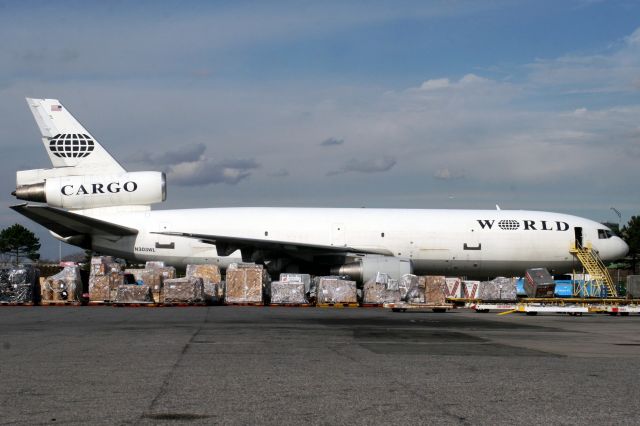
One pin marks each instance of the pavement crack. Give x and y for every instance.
(170, 374)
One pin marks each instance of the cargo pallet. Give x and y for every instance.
(244, 303)
(404, 306)
(135, 304)
(99, 303)
(181, 304)
(292, 305)
(60, 303)
(4, 303)
(337, 305)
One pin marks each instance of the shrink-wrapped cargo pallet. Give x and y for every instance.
(333, 290)
(380, 289)
(18, 285)
(414, 286)
(183, 290)
(154, 264)
(500, 288)
(453, 288)
(100, 288)
(106, 276)
(539, 283)
(633, 286)
(297, 278)
(103, 265)
(288, 293)
(470, 289)
(65, 286)
(435, 289)
(211, 280)
(244, 283)
(132, 293)
(154, 279)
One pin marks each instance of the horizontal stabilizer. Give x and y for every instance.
(67, 224)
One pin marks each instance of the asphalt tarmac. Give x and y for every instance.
(252, 365)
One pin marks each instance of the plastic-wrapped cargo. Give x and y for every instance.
(374, 292)
(297, 278)
(244, 283)
(633, 286)
(453, 288)
(167, 272)
(100, 288)
(103, 265)
(539, 283)
(154, 279)
(381, 289)
(288, 293)
(414, 288)
(64, 286)
(183, 290)
(500, 288)
(434, 289)
(470, 289)
(333, 289)
(132, 293)
(211, 279)
(18, 285)
(154, 264)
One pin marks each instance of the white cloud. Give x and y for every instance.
(435, 84)
(207, 171)
(613, 71)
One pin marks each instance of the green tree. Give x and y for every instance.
(631, 235)
(18, 242)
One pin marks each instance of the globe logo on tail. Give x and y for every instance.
(71, 145)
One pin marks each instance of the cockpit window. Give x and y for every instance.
(604, 234)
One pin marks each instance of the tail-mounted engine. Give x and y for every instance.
(86, 192)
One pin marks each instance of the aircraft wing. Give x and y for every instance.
(67, 224)
(228, 244)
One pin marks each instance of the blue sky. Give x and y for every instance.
(441, 104)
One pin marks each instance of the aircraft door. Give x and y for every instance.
(578, 236)
(471, 255)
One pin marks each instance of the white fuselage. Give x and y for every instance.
(453, 242)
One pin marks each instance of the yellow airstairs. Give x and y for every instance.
(601, 283)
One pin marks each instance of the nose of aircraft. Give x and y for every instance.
(620, 248)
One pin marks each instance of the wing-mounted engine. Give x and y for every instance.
(87, 192)
(362, 268)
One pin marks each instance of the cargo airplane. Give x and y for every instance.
(89, 200)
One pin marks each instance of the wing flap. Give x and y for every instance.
(67, 224)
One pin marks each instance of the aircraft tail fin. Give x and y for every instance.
(67, 142)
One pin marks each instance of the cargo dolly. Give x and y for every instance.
(572, 306)
(405, 306)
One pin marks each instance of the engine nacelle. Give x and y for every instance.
(367, 266)
(87, 192)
